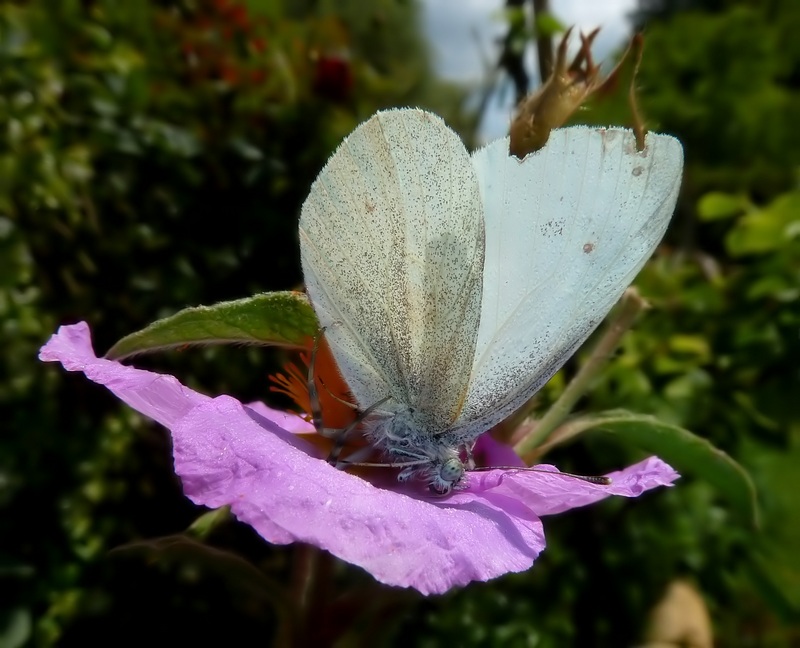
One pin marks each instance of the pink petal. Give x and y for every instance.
(286, 420)
(548, 494)
(224, 457)
(250, 458)
(227, 453)
(158, 396)
(489, 452)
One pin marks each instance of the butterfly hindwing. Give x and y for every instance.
(567, 230)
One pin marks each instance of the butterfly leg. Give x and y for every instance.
(333, 457)
(313, 393)
(316, 405)
(469, 464)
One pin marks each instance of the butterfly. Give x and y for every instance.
(452, 286)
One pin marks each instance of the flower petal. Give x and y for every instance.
(224, 457)
(250, 457)
(490, 452)
(287, 420)
(158, 396)
(228, 453)
(548, 494)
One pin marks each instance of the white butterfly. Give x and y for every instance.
(456, 285)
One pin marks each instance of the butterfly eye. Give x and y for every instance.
(452, 470)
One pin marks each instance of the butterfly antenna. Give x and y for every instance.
(395, 464)
(333, 457)
(602, 481)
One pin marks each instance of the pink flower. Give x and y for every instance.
(251, 458)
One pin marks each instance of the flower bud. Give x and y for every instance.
(567, 88)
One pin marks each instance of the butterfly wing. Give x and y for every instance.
(567, 230)
(391, 242)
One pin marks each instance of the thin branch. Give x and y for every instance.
(544, 42)
(631, 305)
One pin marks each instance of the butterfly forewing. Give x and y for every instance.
(567, 230)
(391, 240)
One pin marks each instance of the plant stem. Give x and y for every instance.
(631, 305)
(304, 564)
(544, 43)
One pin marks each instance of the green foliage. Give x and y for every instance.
(717, 354)
(154, 156)
(548, 25)
(279, 318)
(688, 453)
(725, 82)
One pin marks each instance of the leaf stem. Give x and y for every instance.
(304, 567)
(631, 305)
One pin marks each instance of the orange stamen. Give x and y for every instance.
(293, 382)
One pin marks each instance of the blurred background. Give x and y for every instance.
(154, 155)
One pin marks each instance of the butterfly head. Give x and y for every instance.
(446, 475)
(440, 465)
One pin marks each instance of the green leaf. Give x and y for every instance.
(515, 17)
(548, 25)
(203, 526)
(690, 345)
(238, 574)
(686, 452)
(767, 230)
(279, 318)
(777, 561)
(16, 627)
(717, 205)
